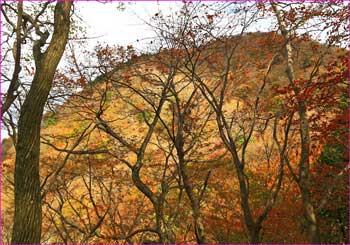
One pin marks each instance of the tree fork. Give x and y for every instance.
(27, 216)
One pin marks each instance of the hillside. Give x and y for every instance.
(138, 156)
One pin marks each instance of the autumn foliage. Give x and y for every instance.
(198, 142)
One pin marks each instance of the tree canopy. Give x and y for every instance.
(218, 133)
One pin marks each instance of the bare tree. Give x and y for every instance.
(191, 34)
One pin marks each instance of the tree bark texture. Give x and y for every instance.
(27, 217)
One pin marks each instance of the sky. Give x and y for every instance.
(106, 23)
(122, 27)
(125, 27)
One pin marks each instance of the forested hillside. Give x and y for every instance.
(234, 138)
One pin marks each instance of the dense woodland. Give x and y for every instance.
(215, 134)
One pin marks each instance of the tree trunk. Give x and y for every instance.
(194, 200)
(199, 229)
(304, 163)
(165, 234)
(27, 216)
(158, 205)
(310, 216)
(254, 236)
(304, 177)
(195, 205)
(253, 230)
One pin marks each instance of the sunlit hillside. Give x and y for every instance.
(137, 156)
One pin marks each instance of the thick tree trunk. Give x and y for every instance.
(27, 217)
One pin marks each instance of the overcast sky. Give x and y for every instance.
(105, 23)
(122, 27)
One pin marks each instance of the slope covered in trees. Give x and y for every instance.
(219, 135)
(137, 156)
